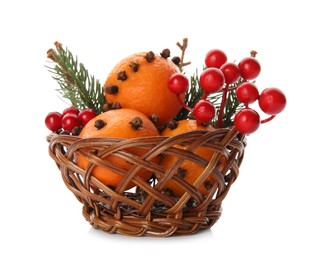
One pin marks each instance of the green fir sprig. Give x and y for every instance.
(75, 82)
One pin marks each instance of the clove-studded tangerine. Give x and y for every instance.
(117, 123)
(140, 82)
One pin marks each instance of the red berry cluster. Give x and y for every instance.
(218, 76)
(71, 120)
(271, 101)
(204, 110)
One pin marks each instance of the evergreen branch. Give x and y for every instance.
(75, 83)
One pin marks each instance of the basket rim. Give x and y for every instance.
(156, 137)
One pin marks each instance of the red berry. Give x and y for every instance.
(212, 80)
(250, 68)
(272, 101)
(247, 93)
(86, 115)
(231, 72)
(53, 121)
(247, 121)
(215, 58)
(204, 111)
(70, 110)
(178, 83)
(69, 121)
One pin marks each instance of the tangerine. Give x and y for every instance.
(189, 170)
(118, 123)
(140, 82)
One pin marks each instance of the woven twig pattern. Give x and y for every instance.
(147, 209)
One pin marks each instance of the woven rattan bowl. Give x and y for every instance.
(147, 209)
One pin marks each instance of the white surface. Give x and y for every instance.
(274, 210)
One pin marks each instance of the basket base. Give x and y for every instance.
(154, 224)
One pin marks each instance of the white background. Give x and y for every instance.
(274, 210)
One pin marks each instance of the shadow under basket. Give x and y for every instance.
(149, 209)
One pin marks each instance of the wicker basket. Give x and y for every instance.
(147, 209)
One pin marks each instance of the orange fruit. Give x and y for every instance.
(119, 123)
(141, 83)
(188, 170)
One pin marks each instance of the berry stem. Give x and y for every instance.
(222, 106)
(205, 95)
(268, 119)
(183, 104)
